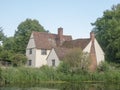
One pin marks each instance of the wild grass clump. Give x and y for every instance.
(25, 75)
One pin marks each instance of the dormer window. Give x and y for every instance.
(43, 52)
(30, 51)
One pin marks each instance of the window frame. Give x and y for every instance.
(30, 51)
(53, 62)
(29, 62)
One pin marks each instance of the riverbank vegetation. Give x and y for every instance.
(23, 75)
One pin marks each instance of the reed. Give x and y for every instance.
(25, 75)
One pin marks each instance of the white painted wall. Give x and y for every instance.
(31, 56)
(31, 44)
(41, 59)
(87, 48)
(99, 53)
(52, 56)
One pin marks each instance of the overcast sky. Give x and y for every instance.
(74, 16)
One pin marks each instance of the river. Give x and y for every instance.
(64, 86)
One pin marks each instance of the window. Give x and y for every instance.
(29, 62)
(30, 51)
(43, 51)
(53, 62)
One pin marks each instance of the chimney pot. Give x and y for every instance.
(60, 35)
(92, 36)
(60, 31)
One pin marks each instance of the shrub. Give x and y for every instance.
(77, 60)
(63, 68)
(18, 59)
(103, 67)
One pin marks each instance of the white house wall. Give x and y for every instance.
(98, 50)
(87, 48)
(31, 56)
(52, 56)
(31, 43)
(41, 59)
(99, 53)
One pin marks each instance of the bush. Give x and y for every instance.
(63, 68)
(18, 59)
(103, 67)
(77, 60)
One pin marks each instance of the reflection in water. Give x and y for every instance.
(64, 86)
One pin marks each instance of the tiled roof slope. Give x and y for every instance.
(80, 43)
(62, 52)
(46, 40)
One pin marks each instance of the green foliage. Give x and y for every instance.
(2, 36)
(77, 60)
(18, 59)
(23, 33)
(64, 68)
(13, 48)
(24, 75)
(103, 67)
(8, 44)
(107, 29)
(5, 55)
(13, 58)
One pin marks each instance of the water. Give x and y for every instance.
(64, 86)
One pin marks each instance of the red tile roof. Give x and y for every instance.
(46, 40)
(62, 52)
(80, 43)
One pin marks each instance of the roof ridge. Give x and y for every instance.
(82, 39)
(49, 33)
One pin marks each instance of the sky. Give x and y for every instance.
(74, 16)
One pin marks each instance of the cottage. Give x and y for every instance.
(48, 49)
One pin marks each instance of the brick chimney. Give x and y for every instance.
(92, 36)
(93, 57)
(60, 36)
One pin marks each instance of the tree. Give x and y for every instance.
(14, 59)
(18, 59)
(23, 33)
(8, 44)
(2, 36)
(64, 68)
(5, 56)
(77, 60)
(107, 29)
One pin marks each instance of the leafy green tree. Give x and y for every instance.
(23, 33)
(103, 67)
(5, 56)
(14, 59)
(107, 29)
(64, 68)
(77, 60)
(1, 33)
(8, 44)
(18, 59)
(2, 36)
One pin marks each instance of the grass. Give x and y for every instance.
(24, 75)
